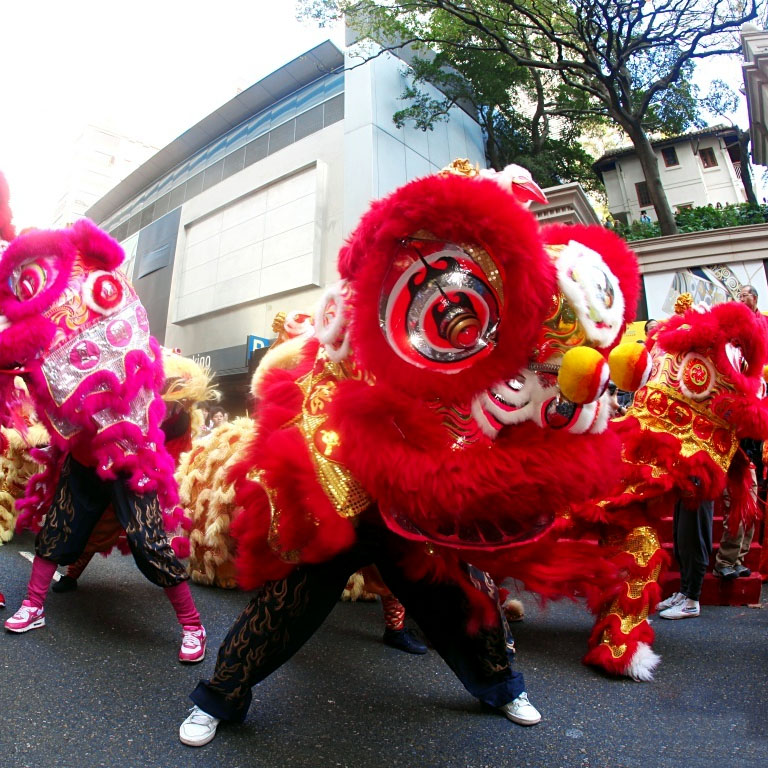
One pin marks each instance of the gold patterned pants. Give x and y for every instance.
(80, 500)
(284, 614)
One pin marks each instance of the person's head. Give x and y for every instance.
(218, 416)
(650, 326)
(748, 296)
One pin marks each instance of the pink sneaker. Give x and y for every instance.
(26, 618)
(2, 600)
(192, 644)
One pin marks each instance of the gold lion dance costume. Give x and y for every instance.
(447, 416)
(16, 463)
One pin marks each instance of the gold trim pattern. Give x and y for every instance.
(642, 543)
(319, 386)
(273, 536)
(660, 408)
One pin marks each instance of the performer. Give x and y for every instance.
(74, 329)
(374, 448)
(186, 384)
(700, 394)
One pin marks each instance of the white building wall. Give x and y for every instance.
(100, 159)
(267, 238)
(262, 241)
(687, 184)
(378, 156)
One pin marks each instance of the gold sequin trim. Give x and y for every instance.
(319, 387)
(642, 543)
(273, 537)
(690, 442)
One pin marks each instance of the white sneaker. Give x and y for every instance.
(199, 728)
(674, 599)
(688, 609)
(521, 711)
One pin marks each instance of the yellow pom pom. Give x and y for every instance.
(630, 366)
(583, 375)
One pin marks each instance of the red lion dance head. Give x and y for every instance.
(434, 385)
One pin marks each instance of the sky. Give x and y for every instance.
(148, 69)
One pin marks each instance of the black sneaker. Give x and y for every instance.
(725, 572)
(65, 584)
(403, 640)
(742, 571)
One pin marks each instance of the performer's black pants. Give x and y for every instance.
(286, 613)
(80, 500)
(693, 545)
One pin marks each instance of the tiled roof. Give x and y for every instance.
(713, 130)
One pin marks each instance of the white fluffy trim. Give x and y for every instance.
(643, 663)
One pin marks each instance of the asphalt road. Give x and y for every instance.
(100, 686)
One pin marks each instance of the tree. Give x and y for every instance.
(521, 115)
(628, 59)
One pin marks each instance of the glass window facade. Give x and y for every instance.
(291, 119)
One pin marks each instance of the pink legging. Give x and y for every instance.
(179, 595)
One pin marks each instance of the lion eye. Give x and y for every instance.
(29, 282)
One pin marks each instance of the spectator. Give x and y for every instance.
(617, 409)
(692, 534)
(729, 563)
(218, 416)
(644, 217)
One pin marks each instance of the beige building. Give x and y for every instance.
(754, 46)
(697, 169)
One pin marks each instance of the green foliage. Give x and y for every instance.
(629, 61)
(699, 219)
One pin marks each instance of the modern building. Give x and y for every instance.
(754, 47)
(697, 169)
(243, 215)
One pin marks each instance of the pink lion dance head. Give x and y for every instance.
(72, 325)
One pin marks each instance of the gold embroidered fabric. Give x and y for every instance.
(661, 408)
(324, 442)
(642, 543)
(273, 537)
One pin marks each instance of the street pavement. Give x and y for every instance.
(99, 685)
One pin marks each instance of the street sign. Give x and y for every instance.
(257, 342)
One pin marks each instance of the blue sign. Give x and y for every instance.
(256, 342)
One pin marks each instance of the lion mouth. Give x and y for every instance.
(482, 534)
